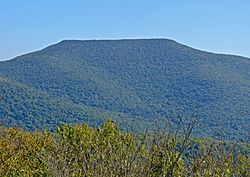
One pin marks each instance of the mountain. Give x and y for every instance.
(133, 81)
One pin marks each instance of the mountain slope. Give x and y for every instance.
(137, 79)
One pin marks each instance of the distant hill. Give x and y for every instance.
(129, 80)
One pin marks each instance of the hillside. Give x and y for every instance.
(141, 80)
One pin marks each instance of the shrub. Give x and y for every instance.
(107, 151)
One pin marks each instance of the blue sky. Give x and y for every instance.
(216, 25)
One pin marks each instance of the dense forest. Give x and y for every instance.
(106, 151)
(131, 81)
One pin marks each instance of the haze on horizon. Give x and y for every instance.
(216, 26)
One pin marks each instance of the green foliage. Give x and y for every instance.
(23, 153)
(86, 81)
(220, 160)
(106, 151)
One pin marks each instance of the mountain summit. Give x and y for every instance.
(128, 80)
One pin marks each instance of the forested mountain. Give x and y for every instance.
(136, 81)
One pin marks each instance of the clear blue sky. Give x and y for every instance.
(214, 25)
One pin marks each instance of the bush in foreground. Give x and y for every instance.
(106, 151)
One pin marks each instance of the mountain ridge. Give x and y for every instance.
(128, 39)
(140, 79)
(143, 39)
